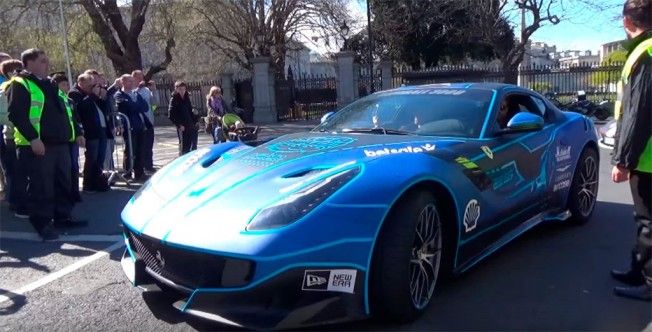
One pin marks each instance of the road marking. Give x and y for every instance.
(29, 236)
(58, 274)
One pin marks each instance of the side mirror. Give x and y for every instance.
(524, 122)
(326, 117)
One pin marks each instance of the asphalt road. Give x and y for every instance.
(553, 278)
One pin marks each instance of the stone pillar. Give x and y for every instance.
(386, 74)
(228, 88)
(346, 89)
(264, 108)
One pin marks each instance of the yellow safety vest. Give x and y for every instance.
(37, 102)
(645, 160)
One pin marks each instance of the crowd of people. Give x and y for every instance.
(46, 120)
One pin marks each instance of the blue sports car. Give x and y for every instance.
(363, 215)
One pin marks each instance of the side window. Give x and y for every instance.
(541, 106)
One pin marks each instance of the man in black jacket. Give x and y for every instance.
(43, 128)
(181, 114)
(134, 107)
(632, 155)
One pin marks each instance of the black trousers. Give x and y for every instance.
(137, 144)
(49, 193)
(187, 139)
(148, 162)
(641, 185)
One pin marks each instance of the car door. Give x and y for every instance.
(518, 165)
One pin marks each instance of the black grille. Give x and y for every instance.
(188, 268)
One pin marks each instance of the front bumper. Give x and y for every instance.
(222, 289)
(606, 142)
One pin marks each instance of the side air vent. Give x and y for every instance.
(304, 172)
(210, 161)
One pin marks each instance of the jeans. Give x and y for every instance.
(108, 159)
(218, 135)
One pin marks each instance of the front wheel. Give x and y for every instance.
(407, 259)
(583, 192)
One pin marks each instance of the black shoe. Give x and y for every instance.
(629, 278)
(643, 292)
(47, 233)
(69, 223)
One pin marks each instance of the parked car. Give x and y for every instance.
(364, 215)
(607, 135)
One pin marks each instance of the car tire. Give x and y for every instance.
(395, 272)
(583, 192)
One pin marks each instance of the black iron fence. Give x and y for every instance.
(369, 81)
(305, 97)
(598, 81)
(196, 90)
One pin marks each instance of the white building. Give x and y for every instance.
(538, 54)
(297, 57)
(609, 48)
(577, 58)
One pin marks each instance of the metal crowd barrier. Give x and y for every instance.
(115, 165)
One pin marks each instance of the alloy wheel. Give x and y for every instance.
(425, 257)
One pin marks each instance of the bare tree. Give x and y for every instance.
(492, 16)
(121, 41)
(243, 29)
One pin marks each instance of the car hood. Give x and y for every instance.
(228, 184)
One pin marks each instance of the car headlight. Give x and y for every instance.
(300, 203)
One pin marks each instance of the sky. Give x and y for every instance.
(585, 27)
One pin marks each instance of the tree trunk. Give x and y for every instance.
(510, 71)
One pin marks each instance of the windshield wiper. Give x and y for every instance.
(377, 130)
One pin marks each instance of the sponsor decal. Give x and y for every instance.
(487, 151)
(314, 280)
(561, 185)
(450, 92)
(466, 163)
(563, 153)
(329, 280)
(471, 215)
(407, 149)
(310, 144)
(563, 168)
(262, 159)
(563, 176)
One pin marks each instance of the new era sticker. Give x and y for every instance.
(329, 280)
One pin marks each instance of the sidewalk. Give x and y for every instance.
(102, 210)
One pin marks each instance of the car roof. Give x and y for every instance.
(469, 86)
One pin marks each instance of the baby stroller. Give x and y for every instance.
(234, 129)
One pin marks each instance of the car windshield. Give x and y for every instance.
(427, 112)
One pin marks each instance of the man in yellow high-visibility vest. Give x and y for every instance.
(44, 126)
(632, 156)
